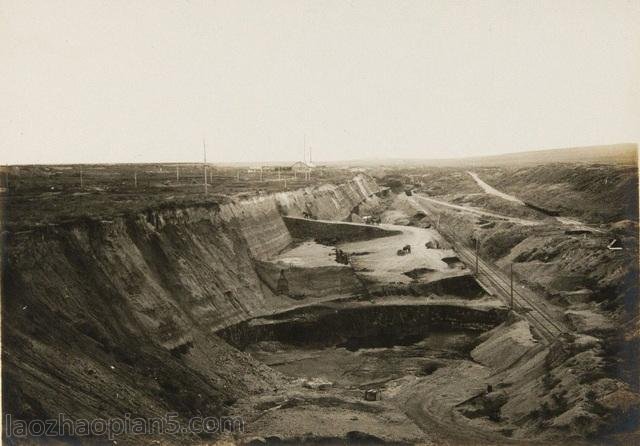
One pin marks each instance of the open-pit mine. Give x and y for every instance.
(435, 306)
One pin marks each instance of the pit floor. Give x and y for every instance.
(371, 366)
(295, 413)
(377, 259)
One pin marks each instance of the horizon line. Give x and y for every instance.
(632, 145)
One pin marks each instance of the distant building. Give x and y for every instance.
(278, 168)
(302, 167)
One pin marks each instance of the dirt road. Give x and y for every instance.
(432, 404)
(520, 221)
(563, 220)
(490, 190)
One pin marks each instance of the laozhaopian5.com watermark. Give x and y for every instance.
(169, 424)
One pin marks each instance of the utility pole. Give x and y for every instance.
(177, 173)
(81, 179)
(204, 152)
(511, 289)
(476, 256)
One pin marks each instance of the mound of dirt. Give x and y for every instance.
(504, 344)
(589, 321)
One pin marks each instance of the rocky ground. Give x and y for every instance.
(566, 259)
(185, 312)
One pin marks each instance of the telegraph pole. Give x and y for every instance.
(511, 289)
(476, 256)
(81, 179)
(204, 152)
(177, 173)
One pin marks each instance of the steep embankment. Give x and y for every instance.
(591, 193)
(327, 202)
(575, 397)
(586, 382)
(103, 318)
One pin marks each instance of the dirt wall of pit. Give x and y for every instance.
(328, 202)
(304, 229)
(323, 326)
(315, 282)
(103, 318)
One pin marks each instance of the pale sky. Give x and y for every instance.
(143, 81)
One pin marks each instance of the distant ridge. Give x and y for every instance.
(607, 154)
(624, 153)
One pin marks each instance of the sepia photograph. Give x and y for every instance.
(319, 222)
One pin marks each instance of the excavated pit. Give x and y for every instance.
(361, 326)
(190, 301)
(336, 355)
(363, 346)
(317, 330)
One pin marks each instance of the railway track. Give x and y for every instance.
(540, 319)
(531, 307)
